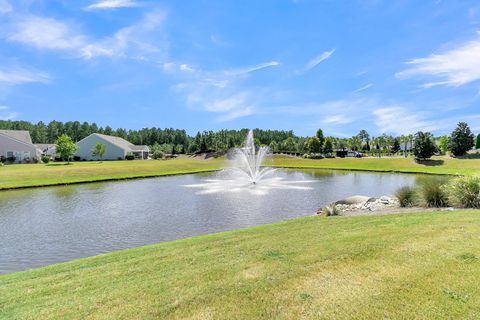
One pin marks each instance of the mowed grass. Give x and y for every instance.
(28, 175)
(416, 266)
(437, 165)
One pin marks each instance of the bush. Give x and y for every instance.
(465, 192)
(76, 158)
(157, 154)
(434, 194)
(130, 156)
(406, 196)
(45, 159)
(315, 156)
(3, 159)
(11, 159)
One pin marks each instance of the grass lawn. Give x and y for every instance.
(438, 165)
(28, 175)
(416, 266)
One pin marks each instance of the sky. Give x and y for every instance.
(393, 67)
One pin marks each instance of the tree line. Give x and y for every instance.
(172, 141)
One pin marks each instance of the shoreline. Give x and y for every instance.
(157, 175)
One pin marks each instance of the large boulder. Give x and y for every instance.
(355, 200)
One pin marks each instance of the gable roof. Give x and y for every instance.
(20, 135)
(120, 142)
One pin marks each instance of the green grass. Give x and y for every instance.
(416, 266)
(438, 165)
(29, 175)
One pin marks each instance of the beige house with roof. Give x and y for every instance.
(17, 144)
(117, 148)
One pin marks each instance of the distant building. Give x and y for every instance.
(47, 149)
(17, 145)
(408, 144)
(117, 148)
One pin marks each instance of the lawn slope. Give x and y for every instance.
(437, 165)
(32, 175)
(417, 266)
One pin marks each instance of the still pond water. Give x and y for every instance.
(43, 226)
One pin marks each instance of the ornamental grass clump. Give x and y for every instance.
(434, 194)
(465, 191)
(406, 196)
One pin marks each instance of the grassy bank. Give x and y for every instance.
(28, 175)
(437, 165)
(417, 266)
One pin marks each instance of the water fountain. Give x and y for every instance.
(245, 173)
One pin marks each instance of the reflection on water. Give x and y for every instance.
(43, 226)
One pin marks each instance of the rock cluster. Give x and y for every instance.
(359, 204)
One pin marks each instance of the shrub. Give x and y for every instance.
(157, 154)
(129, 156)
(315, 156)
(465, 192)
(434, 194)
(3, 159)
(11, 159)
(45, 159)
(406, 196)
(76, 158)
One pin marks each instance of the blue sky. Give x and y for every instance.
(385, 66)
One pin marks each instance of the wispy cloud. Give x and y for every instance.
(5, 7)
(51, 34)
(365, 87)
(15, 76)
(257, 67)
(112, 4)
(318, 59)
(220, 92)
(401, 120)
(5, 114)
(455, 67)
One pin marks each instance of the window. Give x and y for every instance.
(9, 154)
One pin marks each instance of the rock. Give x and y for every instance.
(354, 200)
(330, 210)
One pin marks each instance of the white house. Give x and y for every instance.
(48, 149)
(17, 144)
(117, 148)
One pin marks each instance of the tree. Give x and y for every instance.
(396, 145)
(273, 146)
(461, 140)
(321, 138)
(423, 146)
(313, 145)
(289, 145)
(328, 146)
(99, 150)
(477, 145)
(443, 142)
(66, 148)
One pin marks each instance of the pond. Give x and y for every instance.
(43, 226)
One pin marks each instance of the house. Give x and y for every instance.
(47, 149)
(117, 148)
(17, 146)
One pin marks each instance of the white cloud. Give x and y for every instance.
(7, 115)
(455, 67)
(51, 34)
(317, 60)
(5, 7)
(241, 71)
(112, 4)
(365, 87)
(15, 76)
(45, 33)
(219, 92)
(401, 120)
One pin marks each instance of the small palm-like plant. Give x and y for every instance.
(465, 192)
